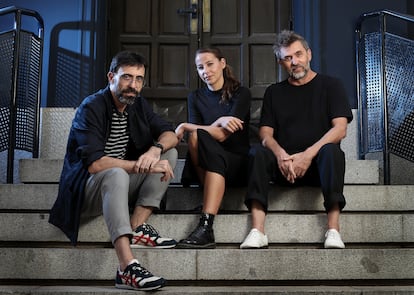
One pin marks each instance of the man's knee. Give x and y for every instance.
(260, 157)
(331, 149)
(171, 155)
(331, 154)
(115, 177)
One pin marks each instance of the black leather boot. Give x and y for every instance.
(202, 237)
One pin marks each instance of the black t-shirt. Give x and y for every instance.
(204, 108)
(301, 115)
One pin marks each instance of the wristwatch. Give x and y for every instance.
(159, 145)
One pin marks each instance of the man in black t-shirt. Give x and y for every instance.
(303, 121)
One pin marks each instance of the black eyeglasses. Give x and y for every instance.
(129, 78)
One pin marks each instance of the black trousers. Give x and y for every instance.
(326, 171)
(212, 156)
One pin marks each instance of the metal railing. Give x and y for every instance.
(21, 60)
(385, 79)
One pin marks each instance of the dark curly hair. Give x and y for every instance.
(127, 58)
(284, 39)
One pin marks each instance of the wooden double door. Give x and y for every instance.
(168, 32)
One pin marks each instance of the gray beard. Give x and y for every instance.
(298, 76)
(127, 100)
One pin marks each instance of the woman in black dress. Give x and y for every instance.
(218, 138)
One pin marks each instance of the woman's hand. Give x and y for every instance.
(229, 123)
(179, 131)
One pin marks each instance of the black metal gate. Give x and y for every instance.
(21, 64)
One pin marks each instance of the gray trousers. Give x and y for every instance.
(112, 191)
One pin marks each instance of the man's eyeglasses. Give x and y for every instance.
(129, 78)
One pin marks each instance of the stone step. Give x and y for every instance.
(48, 171)
(84, 263)
(376, 226)
(108, 289)
(228, 228)
(360, 198)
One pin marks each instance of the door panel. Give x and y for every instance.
(155, 29)
(225, 19)
(245, 31)
(168, 36)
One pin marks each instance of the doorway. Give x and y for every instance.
(168, 32)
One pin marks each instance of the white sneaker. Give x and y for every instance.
(333, 239)
(255, 239)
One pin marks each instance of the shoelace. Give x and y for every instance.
(141, 269)
(331, 234)
(151, 229)
(138, 267)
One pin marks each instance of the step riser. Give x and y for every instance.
(359, 198)
(280, 228)
(218, 264)
(56, 123)
(48, 171)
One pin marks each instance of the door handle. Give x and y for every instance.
(192, 10)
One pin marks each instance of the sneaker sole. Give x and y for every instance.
(190, 246)
(333, 247)
(151, 247)
(126, 287)
(248, 247)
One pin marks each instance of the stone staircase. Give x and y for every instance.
(377, 226)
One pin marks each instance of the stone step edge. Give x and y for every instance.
(209, 290)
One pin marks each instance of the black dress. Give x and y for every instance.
(230, 157)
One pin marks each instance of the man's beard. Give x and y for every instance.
(126, 98)
(300, 75)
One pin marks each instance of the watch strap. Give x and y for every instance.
(159, 145)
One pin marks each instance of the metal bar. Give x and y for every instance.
(13, 95)
(22, 11)
(206, 16)
(402, 16)
(361, 155)
(386, 153)
(36, 141)
(194, 17)
(384, 12)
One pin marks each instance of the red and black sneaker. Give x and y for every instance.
(136, 277)
(146, 236)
